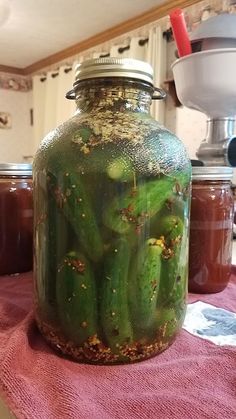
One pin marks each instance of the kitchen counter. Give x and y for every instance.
(193, 378)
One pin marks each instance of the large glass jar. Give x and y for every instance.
(111, 194)
(16, 218)
(211, 229)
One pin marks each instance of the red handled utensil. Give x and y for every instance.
(180, 32)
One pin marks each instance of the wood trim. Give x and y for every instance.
(12, 70)
(150, 16)
(124, 27)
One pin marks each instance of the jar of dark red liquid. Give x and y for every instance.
(211, 224)
(16, 218)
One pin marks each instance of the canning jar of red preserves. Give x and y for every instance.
(16, 218)
(211, 224)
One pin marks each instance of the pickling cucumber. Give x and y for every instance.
(133, 208)
(147, 283)
(171, 229)
(72, 199)
(76, 298)
(167, 324)
(50, 227)
(169, 276)
(181, 285)
(120, 169)
(114, 309)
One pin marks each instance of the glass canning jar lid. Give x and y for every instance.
(212, 173)
(15, 169)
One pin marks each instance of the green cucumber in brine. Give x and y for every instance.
(180, 290)
(171, 228)
(132, 209)
(76, 298)
(167, 324)
(147, 272)
(114, 309)
(51, 230)
(120, 169)
(169, 276)
(73, 200)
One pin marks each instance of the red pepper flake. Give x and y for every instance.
(130, 208)
(126, 214)
(167, 253)
(78, 265)
(154, 284)
(138, 220)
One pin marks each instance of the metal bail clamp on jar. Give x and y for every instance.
(211, 225)
(16, 218)
(111, 221)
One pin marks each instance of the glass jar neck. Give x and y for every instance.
(115, 94)
(15, 177)
(211, 183)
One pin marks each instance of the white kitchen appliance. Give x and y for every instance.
(206, 81)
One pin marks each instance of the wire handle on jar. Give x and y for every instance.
(162, 94)
(71, 95)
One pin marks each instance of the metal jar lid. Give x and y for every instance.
(212, 173)
(114, 67)
(15, 169)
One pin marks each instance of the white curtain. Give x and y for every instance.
(137, 49)
(130, 49)
(154, 52)
(39, 94)
(156, 56)
(115, 50)
(51, 108)
(65, 108)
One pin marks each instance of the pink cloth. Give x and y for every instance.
(192, 379)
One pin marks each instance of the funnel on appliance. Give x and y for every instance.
(206, 81)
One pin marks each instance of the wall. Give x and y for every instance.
(187, 124)
(16, 141)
